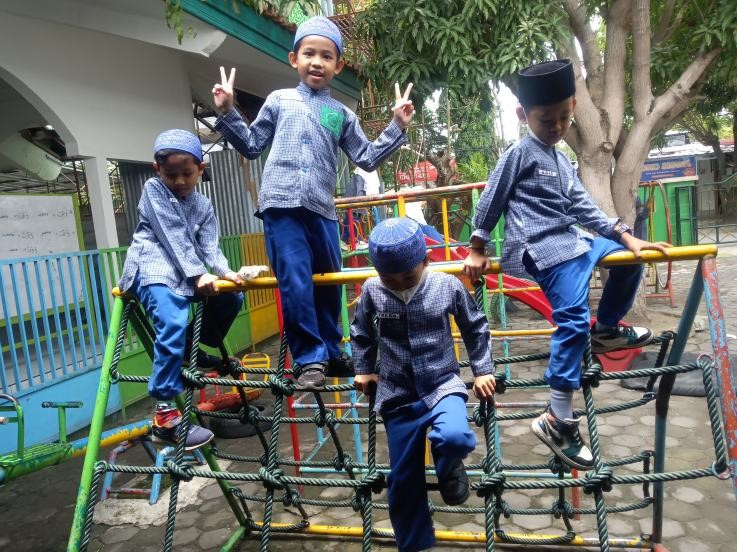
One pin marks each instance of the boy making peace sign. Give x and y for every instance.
(305, 127)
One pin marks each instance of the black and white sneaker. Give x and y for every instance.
(564, 439)
(621, 337)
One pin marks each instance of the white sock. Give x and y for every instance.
(561, 404)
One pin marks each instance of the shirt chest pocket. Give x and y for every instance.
(392, 325)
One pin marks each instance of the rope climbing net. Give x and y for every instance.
(363, 481)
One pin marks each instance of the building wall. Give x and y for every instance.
(107, 96)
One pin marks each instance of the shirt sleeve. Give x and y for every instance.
(589, 215)
(365, 154)
(163, 213)
(494, 198)
(364, 338)
(474, 330)
(252, 140)
(209, 240)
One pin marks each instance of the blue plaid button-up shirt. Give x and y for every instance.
(305, 127)
(175, 241)
(537, 189)
(415, 341)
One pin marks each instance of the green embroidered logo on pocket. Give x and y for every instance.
(332, 120)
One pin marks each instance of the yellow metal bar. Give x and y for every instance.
(512, 290)
(514, 333)
(462, 536)
(446, 229)
(390, 197)
(684, 253)
(401, 207)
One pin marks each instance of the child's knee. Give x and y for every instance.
(459, 439)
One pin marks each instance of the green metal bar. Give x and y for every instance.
(234, 538)
(662, 399)
(98, 419)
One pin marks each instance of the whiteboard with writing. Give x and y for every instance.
(33, 226)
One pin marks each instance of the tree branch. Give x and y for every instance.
(614, 64)
(642, 94)
(579, 22)
(668, 23)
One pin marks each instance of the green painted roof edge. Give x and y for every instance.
(261, 33)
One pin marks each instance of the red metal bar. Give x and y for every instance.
(725, 374)
(290, 400)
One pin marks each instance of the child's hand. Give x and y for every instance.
(475, 264)
(403, 108)
(222, 93)
(636, 245)
(366, 383)
(233, 277)
(483, 387)
(206, 285)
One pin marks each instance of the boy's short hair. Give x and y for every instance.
(319, 26)
(177, 141)
(396, 245)
(546, 83)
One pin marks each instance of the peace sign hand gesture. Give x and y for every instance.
(222, 93)
(403, 108)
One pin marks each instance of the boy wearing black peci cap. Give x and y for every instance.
(545, 205)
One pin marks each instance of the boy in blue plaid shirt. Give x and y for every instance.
(167, 267)
(419, 385)
(305, 127)
(537, 189)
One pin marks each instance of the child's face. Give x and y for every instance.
(403, 280)
(549, 122)
(316, 61)
(180, 173)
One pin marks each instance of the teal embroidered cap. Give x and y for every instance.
(320, 26)
(396, 245)
(179, 140)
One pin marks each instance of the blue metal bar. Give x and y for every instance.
(21, 330)
(77, 312)
(84, 282)
(9, 332)
(662, 399)
(67, 316)
(32, 321)
(57, 319)
(45, 319)
(93, 279)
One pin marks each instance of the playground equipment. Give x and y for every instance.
(491, 478)
(29, 459)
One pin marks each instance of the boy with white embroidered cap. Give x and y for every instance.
(545, 205)
(419, 385)
(305, 127)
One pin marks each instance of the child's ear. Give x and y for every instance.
(156, 166)
(339, 66)
(427, 259)
(293, 59)
(521, 115)
(201, 168)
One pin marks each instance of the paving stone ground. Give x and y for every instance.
(36, 510)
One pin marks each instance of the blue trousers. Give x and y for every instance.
(169, 313)
(451, 439)
(301, 243)
(566, 285)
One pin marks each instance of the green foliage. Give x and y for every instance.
(459, 44)
(289, 9)
(475, 169)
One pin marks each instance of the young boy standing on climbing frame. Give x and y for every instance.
(305, 127)
(537, 189)
(419, 387)
(166, 268)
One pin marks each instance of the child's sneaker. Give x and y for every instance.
(166, 427)
(564, 439)
(454, 486)
(312, 375)
(621, 337)
(340, 367)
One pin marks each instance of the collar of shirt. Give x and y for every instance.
(312, 92)
(406, 295)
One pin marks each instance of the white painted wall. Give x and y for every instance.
(107, 96)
